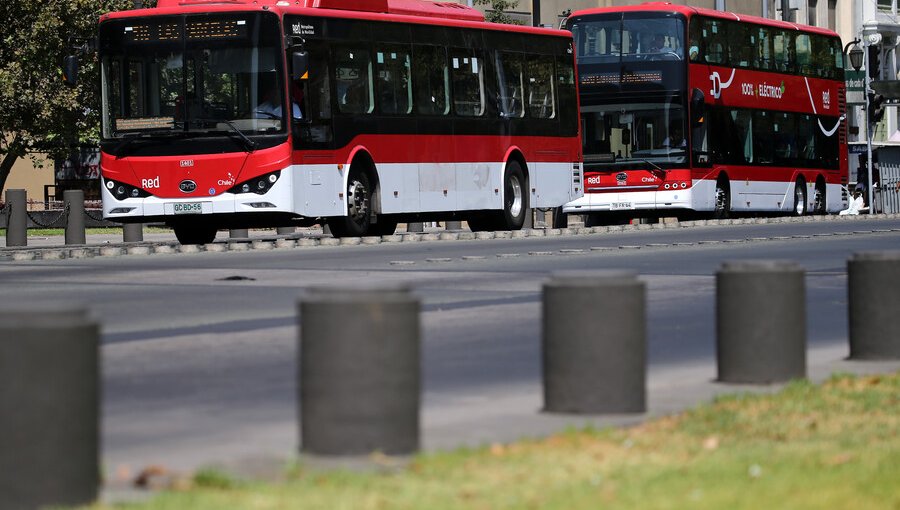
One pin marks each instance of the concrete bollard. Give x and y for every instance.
(594, 343)
(74, 202)
(417, 227)
(285, 231)
(760, 322)
(239, 233)
(454, 225)
(559, 219)
(874, 301)
(360, 371)
(16, 218)
(133, 232)
(49, 408)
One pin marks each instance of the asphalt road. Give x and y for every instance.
(199, 350)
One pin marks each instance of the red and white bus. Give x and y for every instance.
(358, 114)
(694, 109)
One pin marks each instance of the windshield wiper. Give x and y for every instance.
(249, 144)
(656, 170)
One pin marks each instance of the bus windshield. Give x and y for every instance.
(635, 133)
(601, 40)
(193, 75)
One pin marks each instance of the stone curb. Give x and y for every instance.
(293, 242)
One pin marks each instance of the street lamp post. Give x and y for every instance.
(871, 39)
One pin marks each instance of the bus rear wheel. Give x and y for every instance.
(515, 198)
(193, 233)
(359, 199)
(800, 205)
(723, 200)
(819, 202)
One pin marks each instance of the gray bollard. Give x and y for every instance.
(453, 225)
(133, 232)
(417, 227)
(74, 202)
(285, 231)
(239, 233)
(594, 343)
(874, 302)
(16, 218)
(326, 229)
(49, 408)
(760, 321)
(360, 374)
(560, 219)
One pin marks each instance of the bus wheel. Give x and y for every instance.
(191, 233)
(819, 203)
(800, 198)
(515, 199)
(723, 200)
(359, 199)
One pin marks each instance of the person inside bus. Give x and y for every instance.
(675, 138)
(658, 45)
(270, 107)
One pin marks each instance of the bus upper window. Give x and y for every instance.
(783, 51)
(467, 72)
(353, 79)
(716, 43)
(763, 49)
(804, 55)
(431, 80)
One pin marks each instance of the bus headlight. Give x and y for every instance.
(259, 185)
(121, 191)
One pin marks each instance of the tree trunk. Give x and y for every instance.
(5, 167)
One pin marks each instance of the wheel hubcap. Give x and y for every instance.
(799, 200)
(358, 201)
(720, 199)
(515, 208)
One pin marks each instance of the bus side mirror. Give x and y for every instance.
(299, 64)
(70, 70)
(698, 107)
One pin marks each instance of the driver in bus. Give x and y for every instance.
(271, 106)
(675, 138)
(658, 45)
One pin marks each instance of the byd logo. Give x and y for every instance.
(187, 186)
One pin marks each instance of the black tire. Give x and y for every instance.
(192, 233)
(560, 219)
(385, 226)
(480, 223)
(723, 200)
(820, 203)
(800, 204)
(359, 202)
(515, 198)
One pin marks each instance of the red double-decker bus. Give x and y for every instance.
(693, 109)
(358, 114)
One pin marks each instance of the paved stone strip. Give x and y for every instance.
(300, 240)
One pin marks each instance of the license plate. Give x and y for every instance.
(619, 206)
(193, 208)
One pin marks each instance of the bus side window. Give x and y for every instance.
(804, 55)
(697, 42)
(353, 80)
(467, 72)
(763, 49)
(431, 80)
(541, 102)
(716, 42)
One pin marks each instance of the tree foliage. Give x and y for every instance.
(497, 12)
(37, 111)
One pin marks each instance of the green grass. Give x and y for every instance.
(836, 445)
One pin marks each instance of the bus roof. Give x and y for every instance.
(694, 11)
(410, 11)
